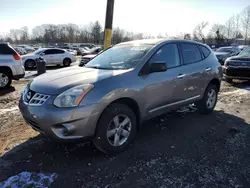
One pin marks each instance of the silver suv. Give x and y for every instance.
(10, 65)
(109, 98)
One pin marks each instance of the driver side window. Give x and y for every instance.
(169, 54)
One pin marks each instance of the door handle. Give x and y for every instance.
(181, 75)
(208, 69)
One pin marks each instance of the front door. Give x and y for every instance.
(163, 89)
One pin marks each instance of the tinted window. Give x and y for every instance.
(191, 53)
(6, 50)
(53, 51)
(205, 51)
(57, 51)
(169, 54)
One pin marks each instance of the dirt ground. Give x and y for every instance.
(179, 149)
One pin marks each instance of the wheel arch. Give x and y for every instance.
(7, 69)
(132, 104)
(217, 82)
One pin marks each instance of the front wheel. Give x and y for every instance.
(209, 100)
(116, 129)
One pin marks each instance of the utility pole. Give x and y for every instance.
(108, 24)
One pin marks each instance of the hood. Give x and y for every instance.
(56, 82)
(221, 53)
(90, 56)
(240, 58)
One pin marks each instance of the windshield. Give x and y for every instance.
(224, 49)
(245, 52)
(37, 52)
(120, 57)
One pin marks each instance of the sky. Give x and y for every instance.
(148, 16)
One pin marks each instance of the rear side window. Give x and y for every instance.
(205, 51)
(6, 50)
(190, 53)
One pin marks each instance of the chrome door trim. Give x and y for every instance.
(174, 103)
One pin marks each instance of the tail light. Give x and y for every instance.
(17, 56)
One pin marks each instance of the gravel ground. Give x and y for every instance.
(180, 149)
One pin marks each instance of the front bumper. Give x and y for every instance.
(61, 123)
(242, 73)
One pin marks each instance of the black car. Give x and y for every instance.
(238, 67)
(225, 52)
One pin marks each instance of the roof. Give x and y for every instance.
(156, 41)
(4, 43)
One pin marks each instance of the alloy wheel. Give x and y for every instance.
(119, 130)
(211, 99)
(4, 79)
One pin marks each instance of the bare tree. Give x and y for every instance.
(246, 21)
(187, 36)
(237, 24)
(96, 30)
(230, 28)
(199, 29)
(15, 35)
(218, 27)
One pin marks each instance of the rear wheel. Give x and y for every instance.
(29, 64)
(66, 62)
(5, 79)
(116, 129)
(209, 100)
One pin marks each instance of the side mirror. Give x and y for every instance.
(158, 67)
(42, 54)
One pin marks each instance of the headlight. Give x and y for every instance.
(72, 97)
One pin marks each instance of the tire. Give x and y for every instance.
(66, 62)
(5, 79)
(29, 64)
(106, 126)
(229, 80)
(207, 104)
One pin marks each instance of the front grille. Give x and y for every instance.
(38, 99)
(34, 99)
(238, 72)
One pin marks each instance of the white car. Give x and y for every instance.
(52, 56)
(10, 65)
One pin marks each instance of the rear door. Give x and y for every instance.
(49, 58)
(58, 55)
(194, 70)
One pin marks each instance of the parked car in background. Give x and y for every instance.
(223, 53)
(73, 52)
(54, 56)
(238, 67)
(10, 65)
(88, 45)
(142, 79)
(28, 48)
(80, 51)
(85, 59)
(242, 47)
(20, 50)
(94, 50)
